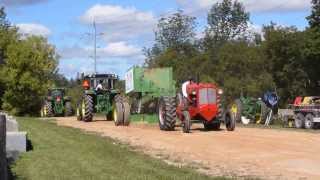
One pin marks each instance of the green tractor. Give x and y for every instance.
(106, 100)
(56, 104)
(255, 110)
(249, 110)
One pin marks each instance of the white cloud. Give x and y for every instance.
(119, 23)
(112, 50)
(33, 29)
(195, 6)
(120, 49)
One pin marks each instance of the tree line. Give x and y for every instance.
(242, 62)
(28, 67)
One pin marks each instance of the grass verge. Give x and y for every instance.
(67, 153)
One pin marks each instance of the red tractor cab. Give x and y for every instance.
(202, 104)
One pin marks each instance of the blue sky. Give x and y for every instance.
(126, 26)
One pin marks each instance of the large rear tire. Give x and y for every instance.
(87, 108)
(230, 122)
(299, 120)
(118, 114)
(79, 114)
(236, 110)
(48, 111)
(167, 113)
(308, 123)
(265, 111)
(126, 112)
(68, 109)
(186, 125)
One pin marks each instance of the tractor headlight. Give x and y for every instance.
(194, 92)
(220, 91)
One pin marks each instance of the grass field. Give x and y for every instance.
(66, 153)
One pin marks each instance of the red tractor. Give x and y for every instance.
(203, 104)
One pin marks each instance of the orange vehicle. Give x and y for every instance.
(203, 104)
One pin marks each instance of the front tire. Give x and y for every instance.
(48, 111)
(308, 123)
(68, 109)
(230, 122)
(186, 125)
(87, 108)
(167, 113)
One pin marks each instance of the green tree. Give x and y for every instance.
(174, 45)
(175, 30)
(27, 74)
(312, 49)
(243, 70)
(283, 47)
(226, 21)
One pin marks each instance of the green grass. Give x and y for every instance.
(67, 153)
(147, 118)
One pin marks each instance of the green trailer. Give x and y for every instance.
(146, 85)
(149, 88)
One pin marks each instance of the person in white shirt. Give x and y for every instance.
(184, 87)
(99, 86)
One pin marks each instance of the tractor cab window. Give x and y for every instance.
(56, 93)
(207, 96)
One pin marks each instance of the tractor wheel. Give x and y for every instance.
(264, 113)
(68, 109)
(236, 110)
(41, 112)
(230, 122)
(299, 120)
(48, 111)
(79, 113)
(126, 112)
(308, 123)
(118, 113)
(109, 116)
(87, 108)
(186, 125)
(211, 125)
(167, 113)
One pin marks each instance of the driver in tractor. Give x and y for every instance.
(184, 87)
(99, 86)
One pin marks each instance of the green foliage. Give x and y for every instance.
(75, 92)
(242, 70)
(175, 30)
(27, 74)
(226, 21)
(314, 18)
(285, 59)
(283, 47)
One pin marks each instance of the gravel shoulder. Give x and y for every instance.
(246, 152)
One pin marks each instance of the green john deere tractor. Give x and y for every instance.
(249, 110)
(106, 100)
(56, 104)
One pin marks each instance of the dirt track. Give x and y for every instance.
(263, 153)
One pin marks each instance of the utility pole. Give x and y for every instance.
(95, 47)
(95, 35)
